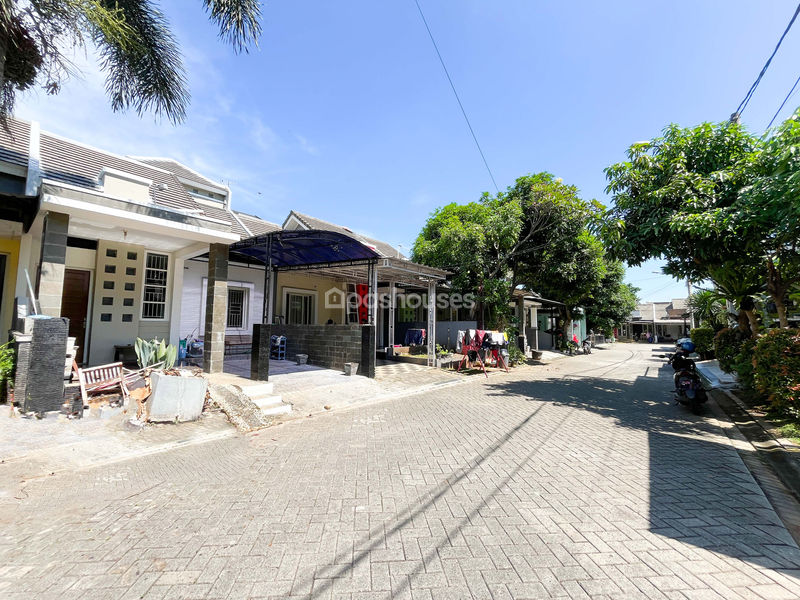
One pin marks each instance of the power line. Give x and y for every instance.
(753, 87)
(785, 100)
(455, 93)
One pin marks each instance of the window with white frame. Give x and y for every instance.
(237, 303)
(299, 308)
(154, 301)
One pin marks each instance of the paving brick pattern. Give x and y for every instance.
(580, 479)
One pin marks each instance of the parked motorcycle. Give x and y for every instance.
(587, 346)
(689, 389)
(191, 349)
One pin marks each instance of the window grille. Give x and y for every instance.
(235, 308)
(154, 302)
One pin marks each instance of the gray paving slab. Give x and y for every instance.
(578, 479)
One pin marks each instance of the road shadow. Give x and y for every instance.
(699, 492)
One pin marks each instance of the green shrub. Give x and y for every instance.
(703, 338)
(727, 345)
(7, 360)
(743, 364)
(776, 368)
(515, 355)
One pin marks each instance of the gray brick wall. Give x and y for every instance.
(39, 376)
(327, 346)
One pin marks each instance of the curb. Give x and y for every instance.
(774, 466)
(766, 425)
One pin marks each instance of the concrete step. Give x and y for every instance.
(259, 389)
(267, 401)
(278, 409)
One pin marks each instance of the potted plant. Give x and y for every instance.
(441, 354)
(169, 394)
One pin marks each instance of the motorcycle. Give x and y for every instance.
(689, 389)
(587, 346)
(191, 349)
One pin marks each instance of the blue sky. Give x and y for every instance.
(344, 112)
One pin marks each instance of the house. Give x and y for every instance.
(128, 247)
(103, 239)
(667, 320)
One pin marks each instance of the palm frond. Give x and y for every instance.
(239, 21)
(147, 75)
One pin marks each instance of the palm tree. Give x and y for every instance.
(709, 308)
(137, 51)
(740, 284)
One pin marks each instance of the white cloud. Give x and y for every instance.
(217, 139)
(307, 146)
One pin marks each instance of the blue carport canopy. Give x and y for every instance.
(289, 250)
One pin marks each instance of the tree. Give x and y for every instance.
(474, 242)
(675, 199)
(708, 307)
(768, 213)
(495, 245)
(612, 302)
(570, 271)
(137, 50)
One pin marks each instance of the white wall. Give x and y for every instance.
(195, 275)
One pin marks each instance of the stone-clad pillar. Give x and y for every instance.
(53, 259)
(259, 358)
(216, 309)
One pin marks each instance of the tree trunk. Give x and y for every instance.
(753, 319)
(566, 327)
(479, 314)
(744, 323)
(776, 288)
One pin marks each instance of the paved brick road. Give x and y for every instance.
(579, 479)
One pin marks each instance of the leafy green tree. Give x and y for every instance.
(674, 199)
(503, 241)
(474, 242)
(612, 302)
(137, 50)
(767, 216)
(571, 271)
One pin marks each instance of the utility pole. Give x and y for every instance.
(689, 301)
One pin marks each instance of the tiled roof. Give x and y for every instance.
(173, 166)
(256, 225)
(76, 164)
(223, 215)
(381, 247)
(14, 143)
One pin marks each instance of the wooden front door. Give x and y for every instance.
(75, 306)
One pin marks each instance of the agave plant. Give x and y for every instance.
(155, 353)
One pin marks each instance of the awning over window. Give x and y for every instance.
(306, 248)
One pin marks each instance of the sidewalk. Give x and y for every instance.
(713, 376)
(32, 447)
(312, 390)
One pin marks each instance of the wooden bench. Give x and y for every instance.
(238, 344)
(101, 379)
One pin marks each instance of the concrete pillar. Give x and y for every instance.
(52, 266)
(367, 367)
(216, 309)
(259, 357)
(392, 301)
(176, 308)
(431, 323)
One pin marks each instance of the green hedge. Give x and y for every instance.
(703, 338)
(776, 368)
(743, 365)
(727, 345)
